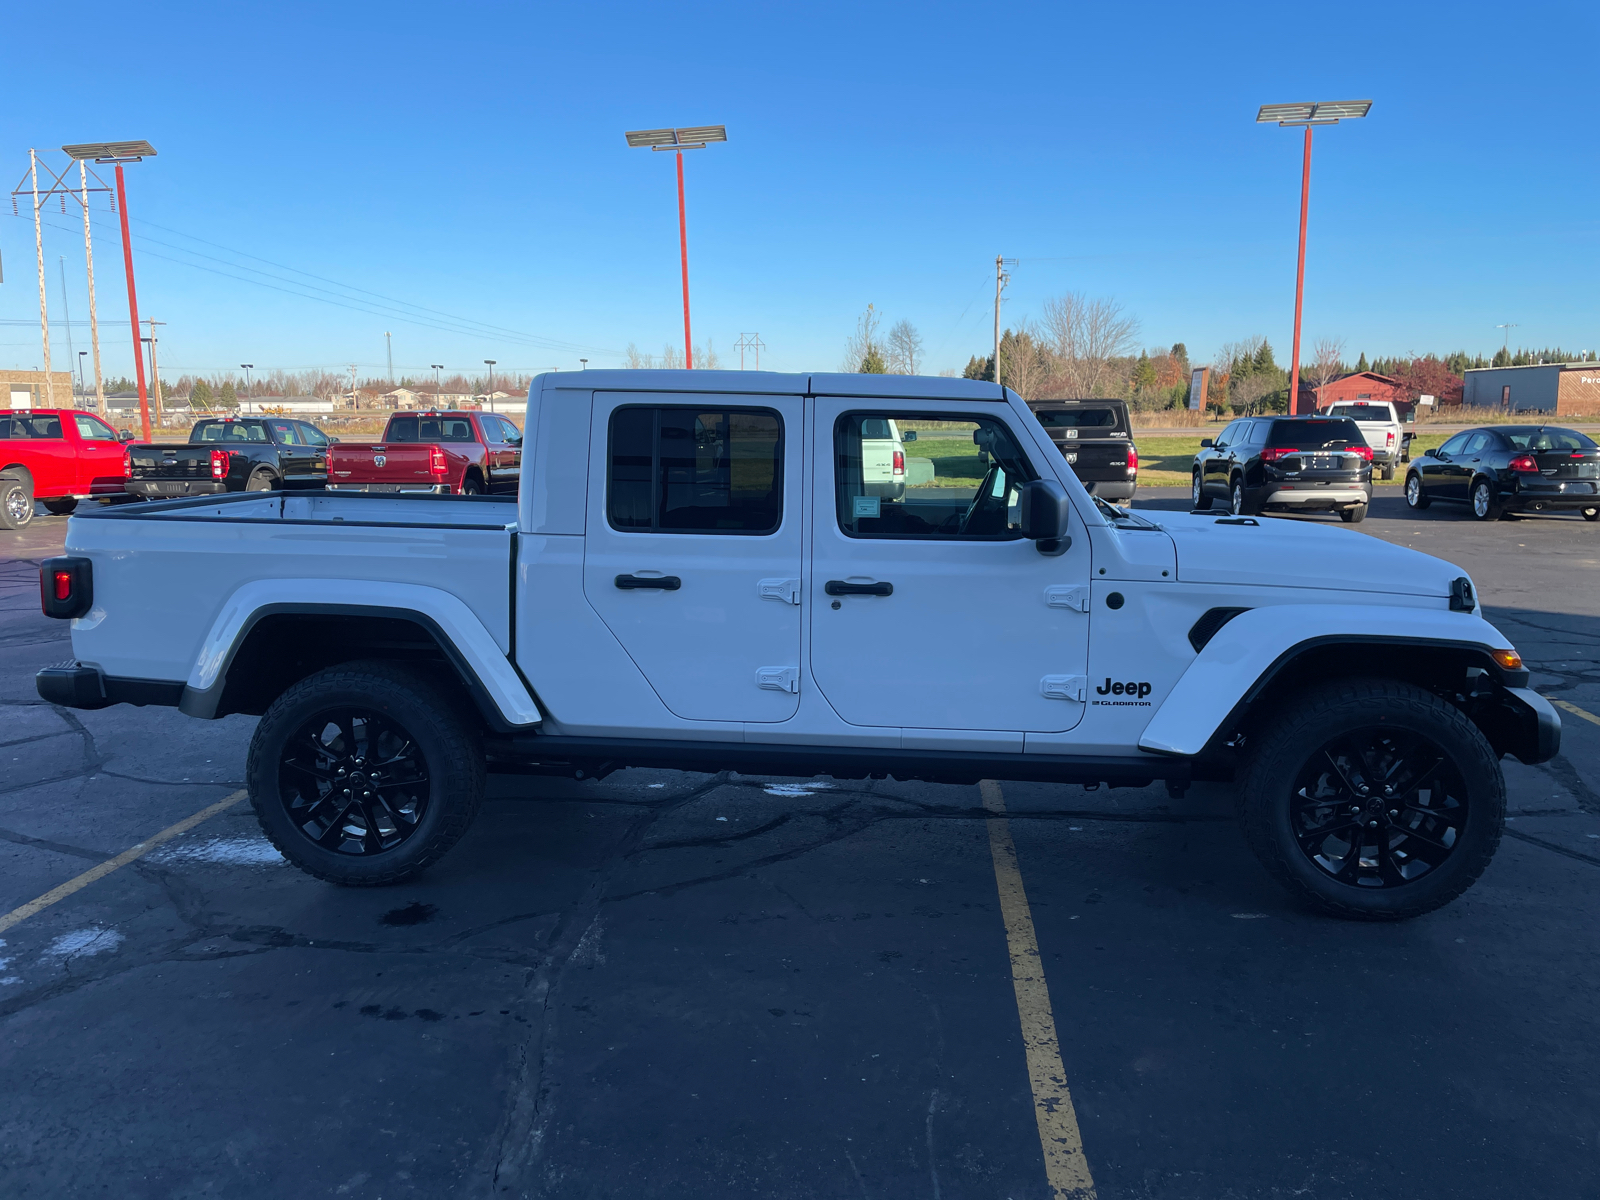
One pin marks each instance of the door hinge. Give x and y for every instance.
(1064, 687)
(785, 590)
(1062, 596)
(778, 679)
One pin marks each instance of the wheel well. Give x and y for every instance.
(281, 649)
(473, 473)
(1464, 676)
(19, 471)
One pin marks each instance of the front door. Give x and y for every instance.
(1446, 472)
(692, 549)
(100, 458)
(930, 610)
(1219, 463)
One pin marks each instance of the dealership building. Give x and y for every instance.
(1565, 389)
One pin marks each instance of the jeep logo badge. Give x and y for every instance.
(378, 460)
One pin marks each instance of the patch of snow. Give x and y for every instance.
(93, 940)
(232, 852)
(795, 789)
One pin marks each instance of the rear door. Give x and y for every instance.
(693, 547)
(295, 455)
(100, 457)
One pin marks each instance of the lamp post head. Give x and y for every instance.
(694, 137)
(1312, 112)
(111, 152)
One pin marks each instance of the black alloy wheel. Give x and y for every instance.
(1198, 500)
(1378, 807)
(471, 487)
(1415, 496)
(365, 773)
(354, 780)
(1372, 799)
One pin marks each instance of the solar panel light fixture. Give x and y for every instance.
(1313, 112)
(111, 152)
(695, 137)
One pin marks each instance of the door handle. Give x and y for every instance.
(838, 587)
(662, 583)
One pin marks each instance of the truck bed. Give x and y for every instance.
(179, 563)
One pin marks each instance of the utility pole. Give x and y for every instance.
(354, 403)
(1000, 281)
(66, 312)
(88, 257)
(44, 312)
(1508, 328)
(155, 370)
(388, 346)
(437, 367)
(489, 395)
(751, 342)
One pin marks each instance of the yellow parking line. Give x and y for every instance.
(1065, 1167)
(17, 915)
(1574, 710)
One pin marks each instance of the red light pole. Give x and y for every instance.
(119, 153)
(679, 140)
(1323, 112)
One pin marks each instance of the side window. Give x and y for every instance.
(513, 434)
(310, 435)
(1228, 436)
(695, 470)
(93, 429)
(1454, 445)
(285, 433)
(1477, 443)
(958, 478)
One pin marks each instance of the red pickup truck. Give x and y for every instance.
(451, 453)
(58, 456)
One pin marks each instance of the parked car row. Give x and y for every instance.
(58, 457)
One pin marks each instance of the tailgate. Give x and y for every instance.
(1097, 458)
(170, 462)
(381, 462)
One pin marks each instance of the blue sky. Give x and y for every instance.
(469, 158)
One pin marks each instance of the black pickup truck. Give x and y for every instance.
(1095, 438)
(232, 454)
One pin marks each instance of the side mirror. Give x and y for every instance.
(909, 435)
(1431, 452)
(124, 435)
(1205, 443)
(1043, 511)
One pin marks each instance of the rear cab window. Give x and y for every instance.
(683, 469)
(1365, 412)
(1082, 421)
(429, 429)
(34, 427)
(228, 431)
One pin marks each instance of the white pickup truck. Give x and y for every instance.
(696, 575)
(1381, 427)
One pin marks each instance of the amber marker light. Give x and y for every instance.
(1509, 659)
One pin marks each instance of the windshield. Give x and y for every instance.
(1078, 418)
(1324, 434)
(1536, 440)
(228, 431)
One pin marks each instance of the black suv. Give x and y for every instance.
(1510, 468)
(1289, 464)
(1094, 437)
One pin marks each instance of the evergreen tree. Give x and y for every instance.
(1144, 372)
(201, 395)
(228, 397)
(980, 368)
(873, 363)
(1180, 352)
(1361, 364)
(1502, 358)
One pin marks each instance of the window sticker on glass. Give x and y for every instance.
(867, 506)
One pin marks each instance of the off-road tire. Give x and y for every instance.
(60, 508)
(1199, 501)
(452, 747)
(472, 486)
(261, 480)
(1416, 497)
(1353, 515)
(1485, 506)
(1291, 740)
(16, 502)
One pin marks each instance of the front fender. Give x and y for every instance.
(461, 634)
(1248, 652)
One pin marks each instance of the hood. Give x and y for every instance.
(1300, 554)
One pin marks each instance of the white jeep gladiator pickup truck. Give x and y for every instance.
(1379, 422)
(695, 574)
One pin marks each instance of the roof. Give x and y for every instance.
(1372, 375)
(1560, 366)
(775, 383)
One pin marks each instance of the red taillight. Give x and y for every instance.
(436, 461)
(1390, 436)
(1133, 461)
(219, 464)
(1275, 453)
(1364, 451)
(899, 462)
(1525, 464)
(127, 462)
(63, 585)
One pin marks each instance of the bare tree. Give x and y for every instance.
(904, 349)
(1084, 338)
(705, 357)
(1025, 365)
(1327, 361)
(671, 358)
(864, 342)
(635, 361)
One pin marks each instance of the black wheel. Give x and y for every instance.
(1415, 496)
(1353, 515)
(261, 480)
(471, 486)
(1374, 800)
(60, 508)
(1198, 500)
(1388, 472)
(362, 774)
(1485, 504)
(1591, 514)
(16, 502)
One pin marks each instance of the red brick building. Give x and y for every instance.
(1363, 385)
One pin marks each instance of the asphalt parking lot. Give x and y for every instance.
(676, 985)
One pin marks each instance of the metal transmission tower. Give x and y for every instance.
(753, 343)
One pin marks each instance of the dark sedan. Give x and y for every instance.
(1510, 468)
(1286, 464)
